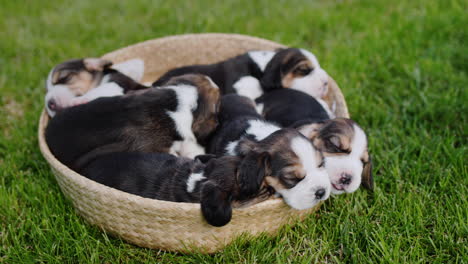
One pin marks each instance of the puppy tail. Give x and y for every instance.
(215, 204)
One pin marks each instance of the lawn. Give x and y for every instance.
(402, 66)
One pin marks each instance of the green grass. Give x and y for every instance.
(402, 66)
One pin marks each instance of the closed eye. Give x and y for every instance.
(303, 70)
(322, 164)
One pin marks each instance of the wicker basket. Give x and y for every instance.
(168, 225)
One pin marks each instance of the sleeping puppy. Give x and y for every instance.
(341, 140)
(238, 119)
(294, 168)
(292, 108)
(254, 72)
(344, 145)
(175, 119)
(79, 81)
(213, 182)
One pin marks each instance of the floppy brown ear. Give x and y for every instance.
(251, 173)
(367, 179)
(96, 64)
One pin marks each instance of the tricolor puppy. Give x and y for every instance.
(292, 108)
(213, 182)
(293, 167)
(254, 72)
(238, 119)
(344, 145)
(175, 119)
(79, 81)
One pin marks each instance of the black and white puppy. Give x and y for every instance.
(292, 108)
(175, 119)
(213, 182)
(252, 73)
(238, 119)
(79, 81)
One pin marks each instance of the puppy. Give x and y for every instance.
(254, 72)
(294, 168)
(292, 108)
(344, 145)
(213, 182)
(341, 140)
(238, 119)
(79, 81)
(175, 119)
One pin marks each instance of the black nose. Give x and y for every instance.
(345, 178)
(319, 193)
(52, 104)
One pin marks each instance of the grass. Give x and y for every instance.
(402, 66)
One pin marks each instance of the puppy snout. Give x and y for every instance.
(345, 178)
(52, 105)
(320, 193)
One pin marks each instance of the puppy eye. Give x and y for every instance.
(363, 162)
(66, 78)
(303, 70)
(322, 164)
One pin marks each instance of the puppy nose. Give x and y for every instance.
(320, 193)
(346, 178)
(52, 105)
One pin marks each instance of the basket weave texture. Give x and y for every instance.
(168, 225)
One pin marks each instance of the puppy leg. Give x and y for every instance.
(215, 204)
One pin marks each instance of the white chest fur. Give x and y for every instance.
(183, 118)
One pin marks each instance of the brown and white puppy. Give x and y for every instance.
(79, 81)
(294, 168)
(176, 119)
(254, 72)
(344, 145)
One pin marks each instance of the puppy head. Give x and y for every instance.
(71, 79)
(344, 145)
(297, 69)
(293, 168)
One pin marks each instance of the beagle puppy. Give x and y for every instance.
(212, 182)
(294, 168)
(177, 118)
(341, 140)
(79, 81)
(254, 72)
(344, 145)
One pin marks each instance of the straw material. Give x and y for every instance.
(168, 225)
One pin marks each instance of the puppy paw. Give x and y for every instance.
(215, 204)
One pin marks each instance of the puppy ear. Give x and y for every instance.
(204, 158)
(310, 130)
(215, 204)
(367, 178)
(271, 78)
(96, 64)
(251, 173)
